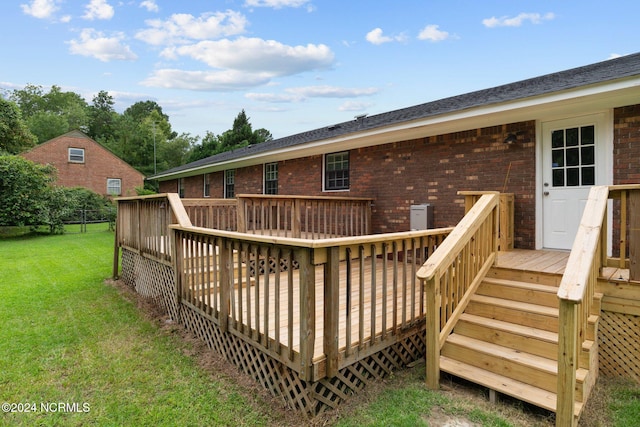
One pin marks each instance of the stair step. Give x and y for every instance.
(520, 291)
(502, 360)
(517, 389)
(535, 341)
(527, 314)
(512, 363)
(550, 279)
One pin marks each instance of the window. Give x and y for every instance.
(76, 155)
(180, 187)
(271, 178)
(229, 183)
(207, 185)
(336, 171)
(114, 186)
(573, 156)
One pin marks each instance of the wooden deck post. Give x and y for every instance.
(433, 303)
(307, 312)
(241, 212)
(226, 287)
(116, 246)
(634, 235)
(331, 310)
(296, 218)
(177, 247)
(567, 362)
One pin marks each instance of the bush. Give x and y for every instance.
(23, 191)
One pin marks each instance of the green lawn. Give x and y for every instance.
(74, 350)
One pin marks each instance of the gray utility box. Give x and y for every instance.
(421, 217)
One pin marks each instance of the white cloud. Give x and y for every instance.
(40, 8)
(98, 9)
(517, 21)
(181, 28)
(354, 106)
(254, 55)
(150, 5)
(300, 94)
(376, 37)
(432, 33)
(274, 97)
(95, 44)
(276, 4)
(332, 92)
(228, 80)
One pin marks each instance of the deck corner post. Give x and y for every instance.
(241, 215)
(225, 284)
(432, 357)
(567, 363)
(116, 246)
(296, 228)
(307, 311)
(331, 313)
(177, 259)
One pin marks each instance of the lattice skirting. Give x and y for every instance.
(310, 398)
(151, 279)
(619, 336)
(156, 281)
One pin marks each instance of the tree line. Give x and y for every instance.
(141, 136)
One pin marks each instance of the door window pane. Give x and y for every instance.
(573, 156)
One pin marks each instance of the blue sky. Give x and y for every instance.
(296, 65)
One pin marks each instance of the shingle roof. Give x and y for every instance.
(613, 69)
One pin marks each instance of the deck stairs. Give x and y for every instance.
(507, 340)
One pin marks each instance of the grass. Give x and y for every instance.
(71, 340)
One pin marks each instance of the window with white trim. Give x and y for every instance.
(114, 186)
(336, 171)
(229, 183)
(76, 155)
(271, 178)
(207, 185)
(180, 187)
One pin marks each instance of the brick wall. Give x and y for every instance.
(427, 170)
(99, 164)
(626, 145)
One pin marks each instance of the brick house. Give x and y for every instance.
(545, 139)
(82, 162)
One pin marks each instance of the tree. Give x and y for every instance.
(102, 117)
(240, 135)
(15, 136)
(23, 191)
(51, 114)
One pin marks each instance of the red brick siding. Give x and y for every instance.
(99, 165)
(433, 169)
(626, 145)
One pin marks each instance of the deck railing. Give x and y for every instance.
(452, 274)
(302, 301)
(220, 214)
(304, 216)
(577, 288)
(142, 225)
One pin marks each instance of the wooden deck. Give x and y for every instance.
(383, 312)
(541, 261)
(378, 308)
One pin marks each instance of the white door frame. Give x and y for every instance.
(604, 119)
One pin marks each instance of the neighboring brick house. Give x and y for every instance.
(82, 162)
(545, 139)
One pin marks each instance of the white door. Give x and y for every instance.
(574, 159)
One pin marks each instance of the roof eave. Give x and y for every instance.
(572, 101)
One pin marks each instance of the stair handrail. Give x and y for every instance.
(576, 298)
(457, 266)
